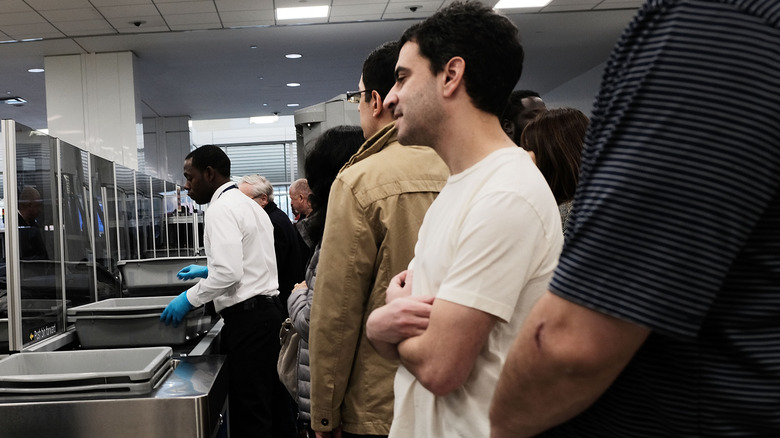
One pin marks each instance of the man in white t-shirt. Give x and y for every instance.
(452, 316)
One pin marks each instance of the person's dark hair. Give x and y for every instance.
(331, 151)
(515, 103)
(210, 155)
(487, 41)
(379, 70)
(556, 137)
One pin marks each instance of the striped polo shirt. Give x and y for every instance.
(676, 221)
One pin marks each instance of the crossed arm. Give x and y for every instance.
(423, 333)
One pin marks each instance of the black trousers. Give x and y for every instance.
(258, 404)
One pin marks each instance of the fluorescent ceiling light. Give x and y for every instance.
(293, 84)
(302, 12)
(292, 55)
(293, 104)
(513, 4)
(260, 120)
(35, 70)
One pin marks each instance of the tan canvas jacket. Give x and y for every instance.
(375, 210)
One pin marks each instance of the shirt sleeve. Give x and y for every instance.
(225, 262)
(490, 270)
(344, 276)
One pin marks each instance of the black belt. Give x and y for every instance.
(249, 304)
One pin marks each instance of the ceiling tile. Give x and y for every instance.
(125, 24)
(20, 18)
(8, 6)
(105, 3)
(37, 30)
(349, 18)
(243, 5)
(45, 5)
(253, 23)
(189, 7)
(375, 3)
(183, 19)
(84, 27)
(426, 7)
(129, 11)
(365, 10)
(72, 14)
(195, 26)
(247, 16)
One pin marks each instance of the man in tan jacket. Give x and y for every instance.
(375, 209)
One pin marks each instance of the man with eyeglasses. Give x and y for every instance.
(375, 209)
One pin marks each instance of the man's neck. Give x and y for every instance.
(469, 137)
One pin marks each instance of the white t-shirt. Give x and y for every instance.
(489, 241)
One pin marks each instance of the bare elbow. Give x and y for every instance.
(441, 382)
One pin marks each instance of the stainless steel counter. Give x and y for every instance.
(189, 403)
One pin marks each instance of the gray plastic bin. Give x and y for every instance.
(133, 322)
(154, 277)
(83, 372)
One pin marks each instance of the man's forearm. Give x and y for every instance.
(565, 357)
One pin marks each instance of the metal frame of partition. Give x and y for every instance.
(89, 229)
(13, 271)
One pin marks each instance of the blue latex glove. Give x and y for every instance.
(193, 271)
(176, 310)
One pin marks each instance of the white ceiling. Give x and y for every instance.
(195, 57)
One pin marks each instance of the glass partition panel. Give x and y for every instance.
(159, 215)
(104, 228)
(78, 244)
(145, 222)
(37, 211)
(127, 219)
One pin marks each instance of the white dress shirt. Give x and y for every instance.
(239, 242)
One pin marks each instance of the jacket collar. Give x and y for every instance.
(374, 144)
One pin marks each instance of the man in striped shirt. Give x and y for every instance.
(663, 316)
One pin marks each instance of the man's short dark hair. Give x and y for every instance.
(487, 41)
(514, 104)
(210, 155)
(379, 69)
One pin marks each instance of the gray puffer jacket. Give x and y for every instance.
(299, 306)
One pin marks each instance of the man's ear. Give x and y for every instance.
(453, 75)
(508, 127)
(376, 103)
(209, 173)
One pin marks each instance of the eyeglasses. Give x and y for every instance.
(354, 96)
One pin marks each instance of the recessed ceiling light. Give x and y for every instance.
(35, 70)
(302, 12)
(512, 4)
(265, 104)
(293, 84)
(12, 100)
(253, 46)
(293, 104)
(293, 55)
